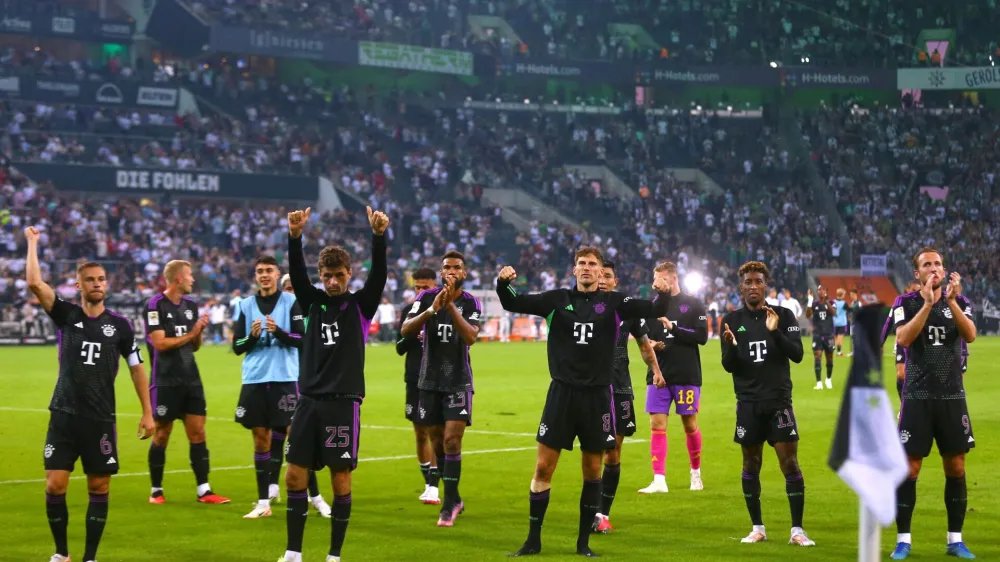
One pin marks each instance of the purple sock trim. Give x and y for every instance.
(453, 458)
(275, 436)
(298, 495)
(262, 456)
(793, 477)
(98, 498)
(538, 496)
(598, 481)
(55, 499)
(613, 468)
(750, 475)
(342, 499)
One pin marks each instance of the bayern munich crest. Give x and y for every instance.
(599, 308)
(108, 330)
(684, 308)
(188, 314)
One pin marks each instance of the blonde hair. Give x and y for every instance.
(173, 269)
(841, 292)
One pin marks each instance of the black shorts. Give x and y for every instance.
(945, 422)
(71, 437)
(267, 404)
(435, 408)
(325, 433)
(771, 421)
(412, 398)
(841, 330)
(625, 415)
(175, 402)
(823, 343)
(573, 412)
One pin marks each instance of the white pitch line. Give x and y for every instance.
(381, 427)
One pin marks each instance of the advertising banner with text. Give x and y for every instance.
(157, 181)
(412, 57)
(86, 27)
(959, 78)
(283, 44)
(53, 90)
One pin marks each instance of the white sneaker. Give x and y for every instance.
(332, 558)
(829, 383)
(756, 535)
(274, 493)
(799, 538)
(291, 557)
(59, 558)
(696, 483)
(658, 486)
(322, 507)
(431, 496)
(819, 385)
(259, 511)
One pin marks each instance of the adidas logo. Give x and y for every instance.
(79, 325)
(971, 440)
(463, 413)
(569, 307)
(170, 315)
(345, 455)
(630, 424)
(112, 461)
(793, 432)
(742, 329)
(611, 438)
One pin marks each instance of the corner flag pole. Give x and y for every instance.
(869, 536)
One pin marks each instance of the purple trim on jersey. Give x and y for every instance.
(155, 300)
(114, 431)
(294, 335)
(357, 430)
(689, 330)
(614, 422)
(59, 345)
(618, 327)
(189, 299)
(366, 323)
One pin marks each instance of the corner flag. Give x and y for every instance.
(866, 452)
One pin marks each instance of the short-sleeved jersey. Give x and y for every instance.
(176, 367)
(90, 351)
(934, 359)
(680, 359)
(840, 313)
(445, 365)
(623, 378)
(822, 318)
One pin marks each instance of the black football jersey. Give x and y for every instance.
(176, 367)
(446, 365)
(934, 360)
(90, 352)
(822, 318)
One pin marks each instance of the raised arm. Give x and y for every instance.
(540, 304)
(305, 293)
(789, 335)
(371, 293)
(428, 304)
(629, 308)
(961, 309)
(730, 349)
(909, 325)
(694, 329)
(243, 342)
(466, 322)
(33, 272)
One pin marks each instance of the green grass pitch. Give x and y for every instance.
(388, 523)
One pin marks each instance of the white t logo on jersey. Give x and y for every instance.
(90, 351)
(180, 330)
(936, 335)
(758, 350)
(583, 331)
(444, 332)
(330, 333)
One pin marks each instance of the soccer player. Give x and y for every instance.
(821, 314)
(278, 442)
(583, 326)
(448, 318)
(624, 399)
(677, 338)
(173, 335)
(268, 329)
(840, 320)
(854, 306)
(92, 341)
(932, 324)
(899, 352)
(327, 424)
(758, 342)
(424, 279)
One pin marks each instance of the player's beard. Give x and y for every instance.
(93, 298)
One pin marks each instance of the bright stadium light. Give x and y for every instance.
(693, 282)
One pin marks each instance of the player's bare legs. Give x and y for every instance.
(56, 484)
(692, 434)
(447, 439)
(753, 458)
(428, 465)
(541, 483)
(795, 488)
(658, 454)
(158, 458)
